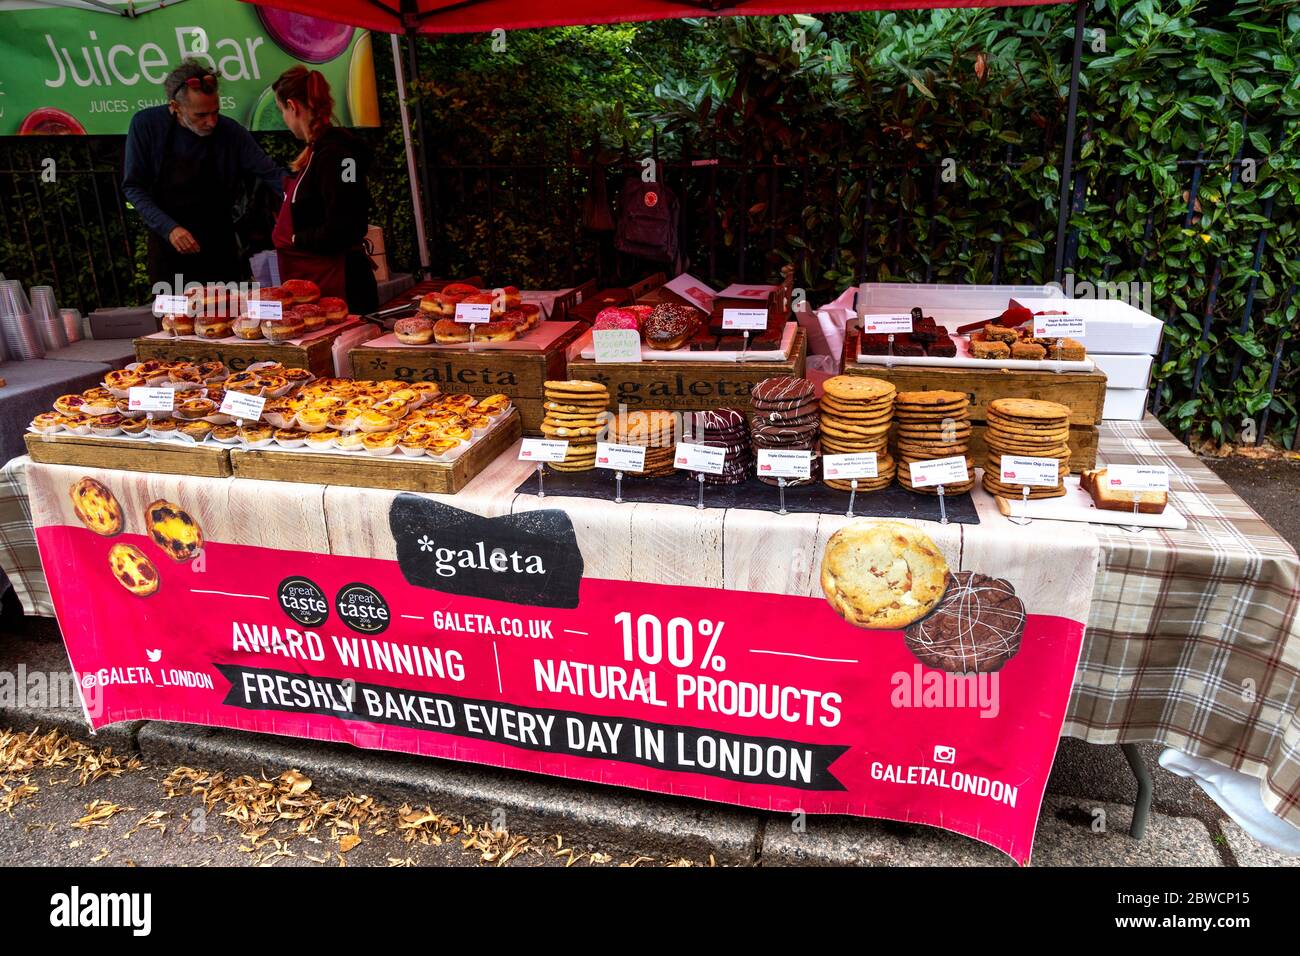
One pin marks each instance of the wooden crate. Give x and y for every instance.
(394, 472)
(688, 386)
(518, 374)
(316, 354)
(129, 454)
(1084, 393)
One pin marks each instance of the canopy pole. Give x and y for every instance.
(421, 154)
(1067, 150)
(417, 202)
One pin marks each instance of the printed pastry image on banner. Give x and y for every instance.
(88, 70)
(908, 674)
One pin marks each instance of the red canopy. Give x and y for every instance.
(481, 16)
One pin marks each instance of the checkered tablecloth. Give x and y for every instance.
(1193, 636)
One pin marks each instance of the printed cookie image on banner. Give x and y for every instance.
(976, 627)
(882, 574)
(531, 558)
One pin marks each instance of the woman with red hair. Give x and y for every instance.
(321, 227)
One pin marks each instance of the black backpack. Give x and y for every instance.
(649, 216)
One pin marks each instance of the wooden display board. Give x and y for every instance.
(517, 373)
(395, 472)
(130, 454)
(688, 386)
(316, 354)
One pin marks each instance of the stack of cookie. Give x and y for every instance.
(1027, 427)
(932, 425)
(725, 428)
(855, 417)
(656, 431)
(575, 412)
(784, 416)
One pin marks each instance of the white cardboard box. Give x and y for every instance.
(1124, 404)
(1114, 326)
(883, 297)
(1124, 371)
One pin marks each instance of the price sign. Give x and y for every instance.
(617, 345)
(1058, 326)
(543, 449)
(703, 458)
(171, 305)
(778, 463)
(885, 324)
(940, 471)
(751, 320)
(620, 457)
(246, 408)
(265, 309)
(1137, 478)
(144, 399)
(473, 313)
(1026, 470)
(860, 464)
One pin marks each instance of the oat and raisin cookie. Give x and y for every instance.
(95, 505)
(976, 627)
(173, 530)
(132, 569)
(882, 574)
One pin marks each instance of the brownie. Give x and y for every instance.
(704, 342)
(731, 342)
(976, 626)
(873, 344)
(905, 344)
(766, 342)
(942, 348)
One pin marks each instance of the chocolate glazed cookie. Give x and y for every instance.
(976, 626)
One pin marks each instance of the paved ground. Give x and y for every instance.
(178, 796)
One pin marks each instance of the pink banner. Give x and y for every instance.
(484, 642)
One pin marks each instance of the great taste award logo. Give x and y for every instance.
(530, 558)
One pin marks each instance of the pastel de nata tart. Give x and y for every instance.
(96, 507)
(441, 448)
(135, 427)
(77, 424)
(256, 435)
(123, 407)
(279, 413)
(392, 407)
(47, 423)
(457, 433)
(275, 385)
(298, 376)
(458, 403)
(290, 437)
(226, 434)
(99, 401)
(427, 390)
(69, 404)
(162, 428)
(412, 445)
(350, 441)
(186, 378)
(342, 419)
(372, 421)
(313, 419)
(173, 530)
(193, 408)
(493, 405)
(210, 372)
(322, 439)
(106, 426)
(246, 383)
(132, 569)
(197, 430)
(479, 423)
(381, 443)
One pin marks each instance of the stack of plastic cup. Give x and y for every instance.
(45, 312)
(20, 335)
(71, 324)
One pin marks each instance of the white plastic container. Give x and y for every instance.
(1124, 404)
(881, 297)
(1114, 327)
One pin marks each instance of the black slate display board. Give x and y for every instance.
(682, 489)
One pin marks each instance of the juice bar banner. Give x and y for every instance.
(908, 672)
(75, 69)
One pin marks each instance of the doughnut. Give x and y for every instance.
(336, 310)
(302, 290)
(615, 318)
(416, 330)
(670, 326)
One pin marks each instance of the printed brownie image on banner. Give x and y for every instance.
(531, 558)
